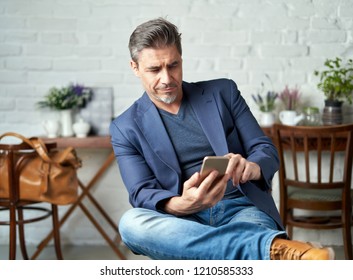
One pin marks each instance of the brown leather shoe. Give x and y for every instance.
(283, 249)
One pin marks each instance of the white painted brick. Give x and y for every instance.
(21, 91)
(306, 64)
(290, 37)
(121, 63)
(10, 23)
(216, 11)
(174, 8)
(295, 77)
(121, 23)
(326, 23)
(100, 78)
(277, 64)
(227, 37)
(93, 51)
(72, 10)
(10, 50)
(203, 51)
(265, 37)
(280, 22)
(76, 64)
(28, 64)
(284, 50)
(248, 23)
(205, 24)
(230, 64)
(111, 10)
(48, 50)
(327, 50)
(262, 9)
(52, 24)
(329, 36)
(325, 8)
(52, 38)
(21, 37)
(93, 25)
(300, 8)
(12, 77)
(23, 8)
(346, 9)
(51, 78)
(241, 50)
(7, 104)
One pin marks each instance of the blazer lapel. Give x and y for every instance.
(206, 110)
(151, 125)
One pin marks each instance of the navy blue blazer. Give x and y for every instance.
(146, 158)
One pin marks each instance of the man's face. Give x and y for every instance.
(160, 71)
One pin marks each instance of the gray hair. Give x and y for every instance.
(156, 33)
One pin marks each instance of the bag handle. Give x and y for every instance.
(16, 135)
(38, 145)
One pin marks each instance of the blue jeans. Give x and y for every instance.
(233, 229)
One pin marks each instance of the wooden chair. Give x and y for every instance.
(13, 156)
(315, 176)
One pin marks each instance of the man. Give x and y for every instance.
(160, 143)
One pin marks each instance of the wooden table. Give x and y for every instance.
(101, 142)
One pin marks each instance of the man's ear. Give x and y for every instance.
(135, 67)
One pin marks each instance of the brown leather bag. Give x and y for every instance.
(43, 176)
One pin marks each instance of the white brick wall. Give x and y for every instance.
(45, 43)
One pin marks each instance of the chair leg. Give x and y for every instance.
(21, 233)
(347, 238)
(12, 232)
(56, 232)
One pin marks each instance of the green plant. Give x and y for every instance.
(71, 97)
(337, 81)
(266, 103)
(290, 98)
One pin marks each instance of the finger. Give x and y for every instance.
(207, 182)
(193, 181)
(246, 175)
(238, 172)
(219, 185)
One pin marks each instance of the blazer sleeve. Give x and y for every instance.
(144, 189)
(257, 146)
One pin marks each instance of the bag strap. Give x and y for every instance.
(16, 135)
(38, 145)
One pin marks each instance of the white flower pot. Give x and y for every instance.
(267, 119)
(66, 123)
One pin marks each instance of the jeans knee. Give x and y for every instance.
(127, 222)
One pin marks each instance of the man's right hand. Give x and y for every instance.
(198, 194)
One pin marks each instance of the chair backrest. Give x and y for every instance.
(315, 158)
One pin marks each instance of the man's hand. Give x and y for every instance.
(198, 195)
(242, 170)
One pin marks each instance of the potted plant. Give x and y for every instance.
(266, 105)
(70, 97)
(66, 99)
(290, 98)
(336, 82)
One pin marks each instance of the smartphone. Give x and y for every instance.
(211, 163)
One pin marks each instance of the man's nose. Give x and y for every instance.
(165, 77)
